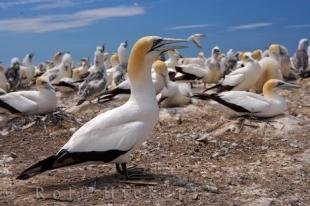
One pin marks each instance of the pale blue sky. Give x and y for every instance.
(45, 26)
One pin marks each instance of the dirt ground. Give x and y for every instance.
(196, 155)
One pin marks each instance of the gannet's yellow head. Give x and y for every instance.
(276, 83)
(43, 83)
(145, 51)
(240, 55)
(160, 67)
(247, 57)
(274, 49)
(257, 54)
(114, 59)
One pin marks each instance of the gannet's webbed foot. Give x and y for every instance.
(133, 172)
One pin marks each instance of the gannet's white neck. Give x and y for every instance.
(139, 74)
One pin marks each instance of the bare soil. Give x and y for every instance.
(197, 155)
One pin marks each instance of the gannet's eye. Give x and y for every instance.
(280, 83)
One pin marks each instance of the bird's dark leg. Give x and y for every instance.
(131, 172)
(118, 169)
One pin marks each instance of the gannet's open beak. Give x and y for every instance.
(286, 85)
(170, 43)
(164, 44)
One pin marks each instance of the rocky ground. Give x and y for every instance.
(197, 155)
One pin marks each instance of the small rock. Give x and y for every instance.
(234, 144)
(13, 155)
(4, 132)
(5, 172)
(215, 154)
(212, 189)
(202, 138)
(72, 130)
(195, 196)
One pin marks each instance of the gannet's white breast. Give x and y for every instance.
(113, 130)
(177, 94)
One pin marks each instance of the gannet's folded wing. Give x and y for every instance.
(233, 79)
(17, 103)
(249, 101)
(193, 69)
(92, 137)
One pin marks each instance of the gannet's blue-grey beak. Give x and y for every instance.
(165, 44)
(285, 85)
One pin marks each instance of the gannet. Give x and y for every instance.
(57, 58)
(257, 54)
(171, 62)
(60, 71)
(96, 82)
(228, 63)
(195, 38)
(27, 70)
(30, 102)
(81, 71)
(40, 69)
(12, 73)
(301, 57)
(195, 71)
(123, 53)
(113, 135)
(248, 103)
(117, 73)
(241, 79)
(270, 68)
(159, 80)
(99, 51)
(200, 60)
(4, 85)
(173, 94)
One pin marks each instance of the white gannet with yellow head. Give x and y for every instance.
(63, 70)
(241, 79)
(248, 103)
(113, 135)
(4, 85)
(81, 71)
(30, 102)
(159, 80)
(173, 94)
(270, 67)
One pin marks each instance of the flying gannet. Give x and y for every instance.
(113, 135)
(30, 102)
(195, 38)
(252, 104)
